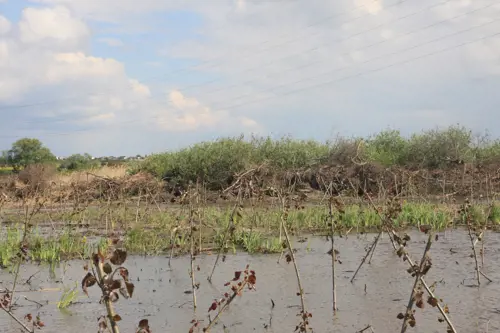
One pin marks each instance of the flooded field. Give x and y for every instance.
(380, 291)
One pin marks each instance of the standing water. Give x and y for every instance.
(380, 291)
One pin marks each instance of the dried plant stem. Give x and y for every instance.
(478, 276)
(369, 327)
(482, 253)
(192, 257)
(372, 248)
(172, 242)
(411, 263)
(334, 258)
(226, 233)
(429, 291)
(373, 251)
(225, 306)
(297, 274)
(27, 219)
(418, 275)
(107, 301)
(26, 328)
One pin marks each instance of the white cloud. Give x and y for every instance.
(113, 42)
(51, 23)
(4, 25)
(371, 6)
(188, 114)
(67, 66)
(283, 66)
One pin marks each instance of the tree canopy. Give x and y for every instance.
(79, 162)
(28, 151)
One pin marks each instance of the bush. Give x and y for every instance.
(79, 162)
(215, 163)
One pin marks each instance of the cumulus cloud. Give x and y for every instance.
(296, 67)
(187, 114)
(40, 24)
(4, 25)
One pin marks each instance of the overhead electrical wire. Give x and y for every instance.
(247, 52)
(317, 48)
(323, 84)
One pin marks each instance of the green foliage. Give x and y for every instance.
(79, 162)
(68, 297)
(388, 148)
(3, 159)
(28, 151)
(215, 163)
(434, 148)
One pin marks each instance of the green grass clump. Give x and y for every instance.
(51, 249)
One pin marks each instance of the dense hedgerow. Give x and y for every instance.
(216, 162)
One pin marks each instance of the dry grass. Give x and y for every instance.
(111, 172)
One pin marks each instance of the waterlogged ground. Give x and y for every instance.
(160, 291)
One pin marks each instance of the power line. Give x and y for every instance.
(318, 47)
(369, 71)
(363, 48)
(319, 85)
(206, 62)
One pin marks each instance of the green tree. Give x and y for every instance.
(3, 158)
(79, 162)
(28, 151)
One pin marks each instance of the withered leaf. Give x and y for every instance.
(88, 281)
(117, 317)
(115, 284)
(212, 307)
(144, 327)
(252, 279)
(130, 288)
(124, 273)
(432, 301)
(237, 275)
(400, 315)
(107, 268)
(28, 317)
(144, 323)
(118, 257)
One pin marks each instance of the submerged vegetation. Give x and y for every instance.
(255, 230)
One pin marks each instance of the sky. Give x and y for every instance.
(127, 77)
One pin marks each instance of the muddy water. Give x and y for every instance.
(160, 291)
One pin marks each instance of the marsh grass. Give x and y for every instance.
(68, 297)
(148, 231)
(49, 249)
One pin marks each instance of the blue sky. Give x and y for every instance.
(121, 77)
